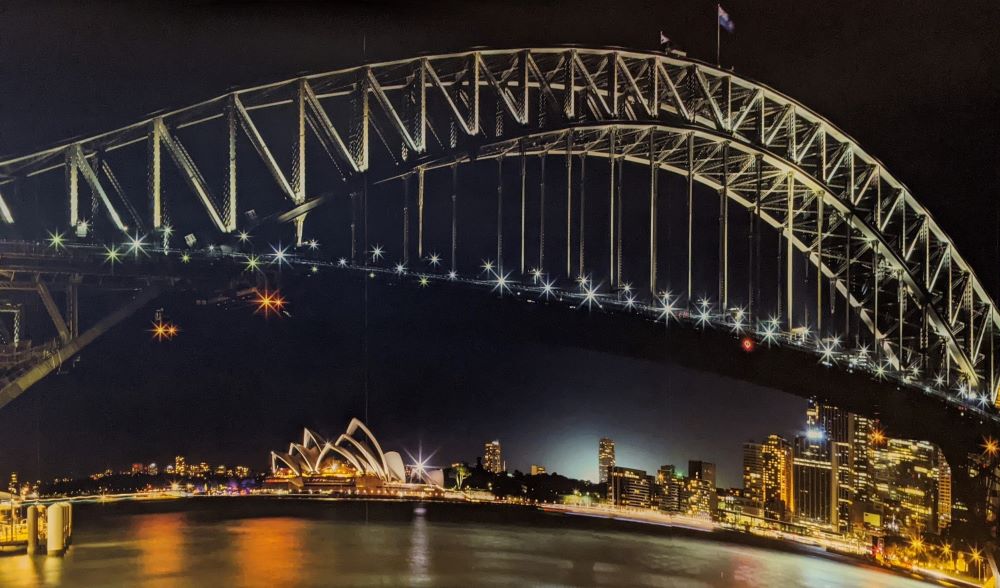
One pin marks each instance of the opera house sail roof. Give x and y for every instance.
(355, 453)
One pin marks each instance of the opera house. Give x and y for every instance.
(352, 465)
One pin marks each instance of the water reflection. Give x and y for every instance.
(419, 550)
(311, 543)
(269, 551)
(160, 539)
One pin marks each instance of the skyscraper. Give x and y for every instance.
(767, 476)
(777, 461)
(605, 459)
(849, 435)
(753, 473)
(913, 485)
(702, 498)
(180, 465)
(814, 480)
(492, 458)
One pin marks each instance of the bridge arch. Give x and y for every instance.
(797, 172)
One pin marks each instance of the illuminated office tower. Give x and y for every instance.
(605, 459)
(629, 487)
(492, 458)
(667, 489)
(753, 473)
(849, 435)
(814, 481)
(180, 466)
(944, 492)
(913, 485)
(702, 498)
(767, 476)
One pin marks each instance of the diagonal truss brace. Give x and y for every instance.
(76, 162)
(193, 177)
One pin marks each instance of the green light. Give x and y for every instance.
(56, 241)
(112, 255)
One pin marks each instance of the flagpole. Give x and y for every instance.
(718, 35)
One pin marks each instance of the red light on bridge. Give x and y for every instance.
(748, 344)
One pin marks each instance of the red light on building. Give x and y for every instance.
(748, 344)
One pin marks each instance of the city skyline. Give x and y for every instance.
(563, 293)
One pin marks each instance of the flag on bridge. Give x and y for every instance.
(664, 43)
(725, 21)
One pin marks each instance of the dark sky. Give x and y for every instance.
(913, 82)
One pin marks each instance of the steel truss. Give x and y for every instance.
(887, 259)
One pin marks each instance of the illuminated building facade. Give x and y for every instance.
(767, 477)
(913, 486)
(700, 497)
(493, 458)
(180, 465)
(667, 489)
(629, 487)
(353, 464)
(753, 474)
(537, 469)
(814, 481)
(849, 436)
(605, 459)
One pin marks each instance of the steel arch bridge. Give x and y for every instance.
(854, 267)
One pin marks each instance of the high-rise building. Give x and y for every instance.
(767, 476)
(777, 461)
(152, 469)
(849, 435)
(629, 487)
(667, 489)
(913, 486)
(701, 494)
(753, 473)
(944, 493)
(605, 459)
(492, 458)
(702, 470)
(814, 481)
(180, 465)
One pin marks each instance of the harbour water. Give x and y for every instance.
(270, 542)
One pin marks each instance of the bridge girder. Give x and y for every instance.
(798, 172)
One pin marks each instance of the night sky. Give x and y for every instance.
(912, 82)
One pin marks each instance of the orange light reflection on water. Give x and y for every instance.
(161, 540)
(267, 551)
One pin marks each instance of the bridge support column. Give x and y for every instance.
(690, 214)
(406, 220)
(653, 187)
(581, 233)
(541, 212)
(454, 217)
(420, 212)
(500, 214)
(789, 251)
(569, 204)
